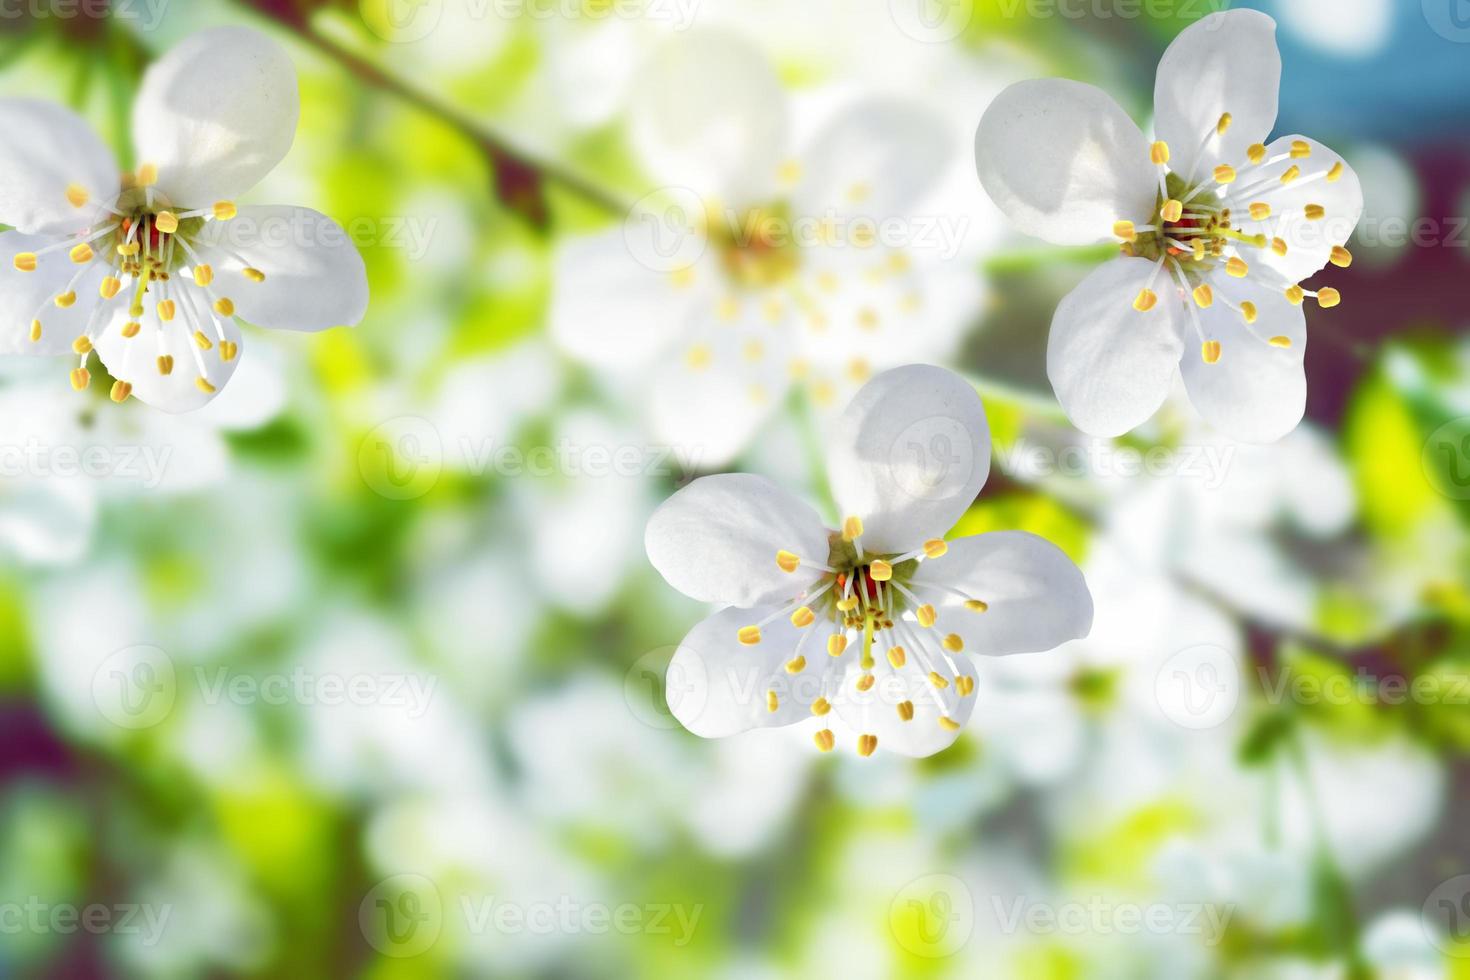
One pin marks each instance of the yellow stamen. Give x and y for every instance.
(1210, 351)
(906, 710)
(848, 604)
(1224, 124)
(796, 665)
(82, 345)
(825, 740)
(935, 548)
(1260, 211)
(1315, 212)
(254, 275)
(166, 310)
(224, 306)
(1335, 174)
(1295, 295)
(35, 330)
(1159, 153)
(80, 378)
(66, 299)
(948, 724)
(926, 615)
(880, 571)
(82, 254)
(866, 745)
(1146, 300)
(1278, 245)
(965, 685)
(224, 210)
(836, 644)
(749, 635)
(203, 385)
(865, 682)
(25, 262)
(77, 195)
(821, 706)
(1224, 174)
(852, 529)
(203, 275)
(1248, 311)
(109, 287)
(1204, 296)
(1291, 174)
(147, 175)
(1236, 267)
(975, 605)
(897, 657)
(1256, 152)
(1172, 210)
(128, 249)
(1280, 341)
(166, 364)
(203, 341)
(131, 329)
(1341, 257)
(773, 703)
(787, 562)
(803, 617)
(938, 680)
(1125, 230)
(1328, 297)
(1300, 149)
(954, 643)
(166, 222)
(120, 391)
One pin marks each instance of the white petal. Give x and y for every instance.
(1037, 598)
(1226, 62)
(877, 158)
(1309, 242)
(609, 310)
(135, 359)
(707, 112)
(1064, 161)
(716, 540)
(47, 149)
(216, 114)
(314, 276)
(876, 711)
(909, 456)
(718, 686)
(28, 296)
(1110, 365)
(1255, 392)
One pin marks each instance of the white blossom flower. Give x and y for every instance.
(152, 270)
(897, 610)
(1219, 230)
(756, 269)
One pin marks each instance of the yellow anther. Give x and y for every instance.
(131, 328)
(1278, 245)
(926, 615)
(166, 310)
(128, 249)
(77, 195)
(1204, 296)
(937, 679)
(848, 604)
(954, 643)
(906, 710)
(1315, 212)
(865, 682)
(1292, 173)
(698, 357)
(254, 275)
(803, 617)
(825, 740)
(1159, 153)
(109, 287)
(203, 341)
(975, 605)
(796, 665)
(1328, 297)
(80, 378)
(852, 529)
(82, 345)
(787, 562)
(1224, 124)
(1280, 341)
(1256, 152)
(203, 275)
(1295, 295)
(25, 262)
(880, 571)
(203, 385)
(948, 724)
(1248, 311)
(821, 706)
(773, 703)
(1125, 230)
(1146, 300)
(1236, 267)
(166, 222)
(224, 210)
(867, 744)
(935, 548)
(1335, 174)
(749, 635)
(120, 391)
(228, 349)
(836, 644)
(165, 364)
(1260, 211)
(224, 306)
(82, 254)
(1224, 174)
(147, 175)
(66, 299)
(965, 685)
(1341, 257)
(1198, 248)
(1300, 149)
(1172, 210)
(897, 657)
(35, 330)
(1209, 352)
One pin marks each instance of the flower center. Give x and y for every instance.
(756, 247)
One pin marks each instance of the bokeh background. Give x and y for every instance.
(360, 671)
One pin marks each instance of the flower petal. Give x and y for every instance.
(1110, 365)
(716, 540)
(909, 456)
(1036, 598)
(50, 151)
(1309, 240)
(216, 114)
(1064, 161)
(608, 309)
(718, 686)
(136, 359)
(1256, 392)
(708, 113)
(1224, 63)
(314, 276)
(28, 296)
(876, 158)
(881, 710)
